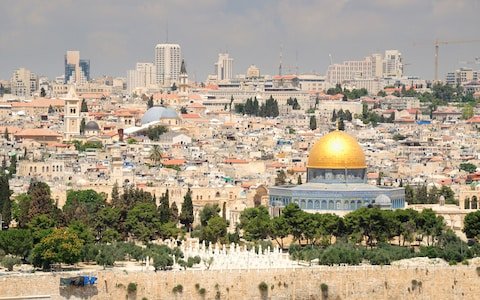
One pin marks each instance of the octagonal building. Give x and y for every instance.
(336, 181)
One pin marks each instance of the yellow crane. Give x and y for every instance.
(437, 44)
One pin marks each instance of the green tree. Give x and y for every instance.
(82, 126)
(82, 205)
(409, 194)
(313, 123)
(6, 135)
(295, 217)
(186, 215)
(174, 212)
(105, 256)
(468, 167)
(43, 92)
(84, 107)
(299, 179)
(150, 102)
(142, 221)
(12, 168)
(208, 212)
(421, 194)
(5, 201)
(471, 225)
(341, 125)
(156, 154)
(107, 224)
(61, 246)
(154, 132)
(255, 223)
(21, 206)
(115, 195)
(215, 230)
(164, 212)
(430, 225)
(368, 224)
(41, 202)
(448, 194)
(281, 178)
(18, 242)
(279, 230)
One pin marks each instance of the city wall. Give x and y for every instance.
(390, 282)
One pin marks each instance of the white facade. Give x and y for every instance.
(23, 82)
(392, 64)
(77, 71)
(224, 68)
(71, 114)
(462, 76)
(168, 59)
(143, 77)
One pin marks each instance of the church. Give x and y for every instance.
(336, 181)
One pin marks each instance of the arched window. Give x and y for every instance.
(474, 204)
(331, 205)
(467, 203)
(324, 204)
(317, 204)
(302, 204)
(217, 194)
(310, 204)
(352, 205)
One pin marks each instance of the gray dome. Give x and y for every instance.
(92, 126)
(157, 113)
(383, 200)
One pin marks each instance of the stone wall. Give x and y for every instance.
(390, 282)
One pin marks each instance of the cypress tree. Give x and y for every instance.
(174, 212)
(164, 208)
(186, 215)
(5, 202)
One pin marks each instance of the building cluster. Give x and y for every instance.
(81, 133)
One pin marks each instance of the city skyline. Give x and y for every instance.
(306, 33)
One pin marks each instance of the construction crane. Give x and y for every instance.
(437, 44)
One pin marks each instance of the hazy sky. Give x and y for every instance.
(115, 34)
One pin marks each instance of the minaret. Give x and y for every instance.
(71, 118)
(183, 84)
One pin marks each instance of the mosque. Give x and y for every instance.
(336, 181)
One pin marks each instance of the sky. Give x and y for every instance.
(115, 34)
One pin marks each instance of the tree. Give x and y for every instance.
(183, 110)
(448, 194)
(105, 256)
(430, 225)
(164, 212)
(381, 93)
(409, 194)
(5, 201)
(468, 167)
(150, 102)
(21, 206)
(6, 135)
(82, 205)
(255, 223)
(84, 107)
(341, 124)
(216, 229)
(174, 87)
(186, 215)
(156, 154)
(471, 225)
(82, 126)
(12, 168)
(115, 195)
(421, 195)
(281, 178)
(208, 212)
(142, 221)
(299, 179)
(51, 110)
(18, 242)
(107, 224)
(279, 229)
(42, 92)
(174, 212)
(154, 132)
(313, 123)
(61, 246)
(294, 217)
(41, 202)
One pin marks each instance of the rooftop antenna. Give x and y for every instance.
(167, 32)
(296, 62)
(280, 64)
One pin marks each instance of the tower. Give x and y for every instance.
(224, 67)
(71, 117)
(167, 63)
(76, 70)
(183, 84)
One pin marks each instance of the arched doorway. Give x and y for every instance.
(259, 194)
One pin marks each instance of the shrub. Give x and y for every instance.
(340, 254)
(177, 289)
(197, 286)
(324, 289)
(9, 261)
(202, 291)
(132, 287)
(263, 286)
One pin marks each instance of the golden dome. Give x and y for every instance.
(336, 150)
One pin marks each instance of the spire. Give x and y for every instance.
(183, 69)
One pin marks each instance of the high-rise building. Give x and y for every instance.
(392, 64)
(462, 76)
(143, 77)
(224, 67)
(167, 63)
(23, 82)
(77, 71)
